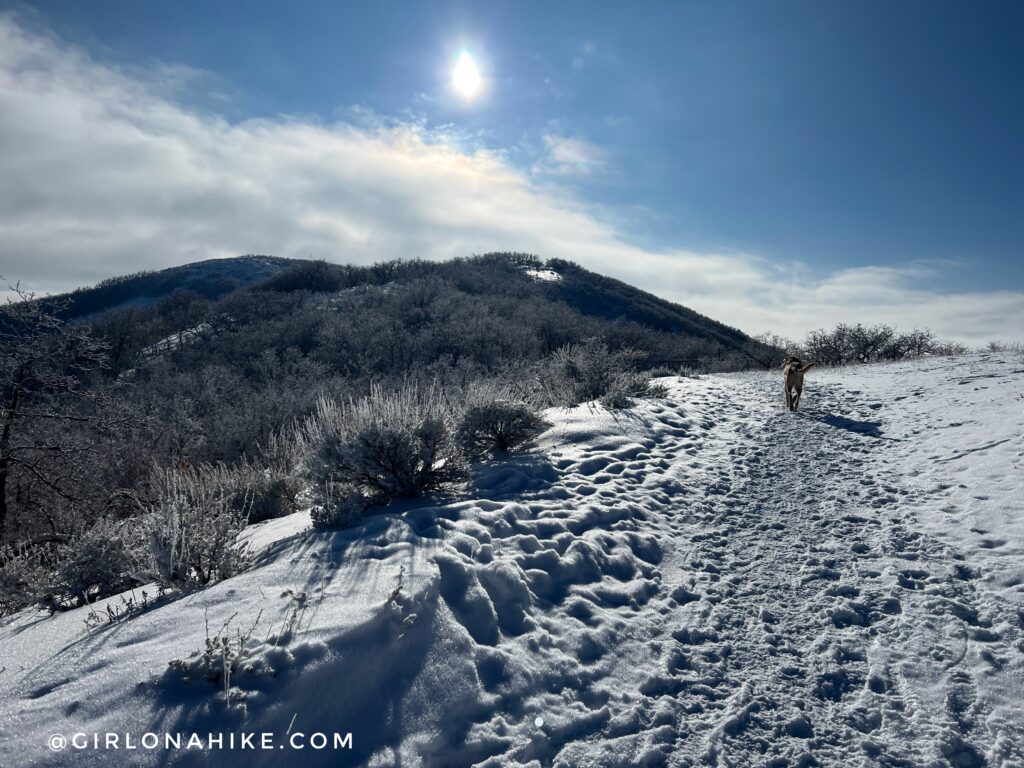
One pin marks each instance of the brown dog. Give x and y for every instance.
(793, 374)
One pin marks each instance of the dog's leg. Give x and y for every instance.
(796, 400)
(789, 398)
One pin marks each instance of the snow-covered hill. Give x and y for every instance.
(702, 580)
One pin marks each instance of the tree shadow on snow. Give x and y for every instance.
(866, 428)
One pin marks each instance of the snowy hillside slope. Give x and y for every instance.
(702, 580)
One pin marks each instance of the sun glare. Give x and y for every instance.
(465, 76)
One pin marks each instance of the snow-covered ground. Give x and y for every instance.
(703, 580)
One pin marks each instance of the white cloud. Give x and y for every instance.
(567, 156)
(104, 172)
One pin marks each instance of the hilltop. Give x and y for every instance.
(556, 280)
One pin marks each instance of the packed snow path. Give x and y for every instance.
(702, 580)
(827, 628)
(798, 616)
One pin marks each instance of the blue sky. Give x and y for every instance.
(869, 151)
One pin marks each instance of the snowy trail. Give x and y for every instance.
(795, 610)
(827, 626)
(704, 580)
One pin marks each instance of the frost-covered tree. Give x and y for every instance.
(43, 362)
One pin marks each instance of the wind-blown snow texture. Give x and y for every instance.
(703, 580)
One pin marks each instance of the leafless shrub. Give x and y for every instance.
(234, 664)
(126, 606)
(1003, 346)
(222, 655)
(25, 575)
(847, 344)
(193, 526)
(64, 572)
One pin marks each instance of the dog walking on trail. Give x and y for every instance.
(793, 371)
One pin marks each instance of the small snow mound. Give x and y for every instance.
(544, 275)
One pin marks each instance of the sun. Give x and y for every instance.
(466, 76)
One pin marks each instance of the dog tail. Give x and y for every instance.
(806, 368)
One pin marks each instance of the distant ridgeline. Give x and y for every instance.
(210, 279)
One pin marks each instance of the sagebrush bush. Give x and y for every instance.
(269, 486)
(496, 420)
(387, 445)
(588, 370)
(629, 385)
(592, 371)
(682, 371)
(70, 571)
(192, 528)
(340, 507)
(269, 497)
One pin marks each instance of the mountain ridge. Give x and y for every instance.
(590, 293)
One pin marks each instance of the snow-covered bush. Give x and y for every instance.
(387, 445)
(68, 571)
(24, 576)
(996, 345)
(341, 506)
(269, 486)
(585, 371)
(592, 371)
(221, 657)
(629, 385)
(192, 528)
(496, 420)
(269, 496)
(103, 562)
(258, 489)
(682, 371)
